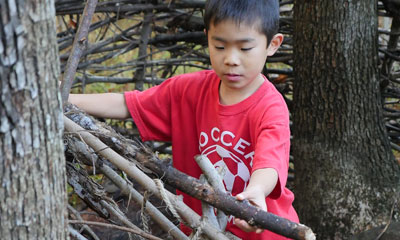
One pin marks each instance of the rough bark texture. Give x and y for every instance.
(345, 172)
(32, 167)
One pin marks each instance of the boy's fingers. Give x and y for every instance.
(240, 197)
(259, 230)
(244, 195)
(242, 224)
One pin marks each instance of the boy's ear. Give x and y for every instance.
(275, 43)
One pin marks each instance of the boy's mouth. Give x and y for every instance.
(232, 76)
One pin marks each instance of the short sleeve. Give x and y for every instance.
(273, 142)
(272, 151)
(151, 111)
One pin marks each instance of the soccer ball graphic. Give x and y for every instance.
(237, 174)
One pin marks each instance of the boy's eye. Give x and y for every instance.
(219, 47)
(246, 49)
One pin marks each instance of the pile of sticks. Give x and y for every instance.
(389, 50)
(94, 146)
(144, 43)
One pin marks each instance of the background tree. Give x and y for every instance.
(32, 166)
(346, 175)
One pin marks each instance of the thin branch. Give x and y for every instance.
(76, 234)
(390, 218)
(140, 233)
(144, 40)
(80, 41)
(85, 227)
(119, 215)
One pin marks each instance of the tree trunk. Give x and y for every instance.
(32, 167)
(346, 175)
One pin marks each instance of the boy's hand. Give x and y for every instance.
(256, 197)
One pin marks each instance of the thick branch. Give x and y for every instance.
(224, 201)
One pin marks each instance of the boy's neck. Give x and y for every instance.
(230, 96)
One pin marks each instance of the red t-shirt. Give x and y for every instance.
(243, 137)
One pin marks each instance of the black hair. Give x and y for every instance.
(263, 12)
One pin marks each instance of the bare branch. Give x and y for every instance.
(141, 233)
(79, 43)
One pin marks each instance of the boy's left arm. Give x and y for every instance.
(261, 184)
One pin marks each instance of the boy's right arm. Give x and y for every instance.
(104, 105)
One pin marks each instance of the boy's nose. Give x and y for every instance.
(231, 58)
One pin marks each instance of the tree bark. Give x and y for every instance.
(32, 168)
(346, 175)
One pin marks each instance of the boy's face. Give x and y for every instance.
(238, 54)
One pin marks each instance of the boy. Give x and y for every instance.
(232, 114)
